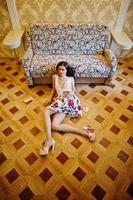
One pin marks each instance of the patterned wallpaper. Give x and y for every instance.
(65, 11)
(4, 27)
(62, 11)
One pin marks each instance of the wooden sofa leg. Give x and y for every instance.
(107, 82)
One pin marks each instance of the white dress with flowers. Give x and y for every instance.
(70, 105)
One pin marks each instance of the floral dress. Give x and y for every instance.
(70, 105)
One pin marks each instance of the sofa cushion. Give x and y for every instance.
(69, 39)
(84, 65)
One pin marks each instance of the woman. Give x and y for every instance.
(66, 103)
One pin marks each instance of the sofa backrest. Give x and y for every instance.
(69, 39)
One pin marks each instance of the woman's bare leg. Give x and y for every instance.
(47, 121)
(49, 141)
(59, 126)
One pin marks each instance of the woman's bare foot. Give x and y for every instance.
(45, 150)
(85, 131)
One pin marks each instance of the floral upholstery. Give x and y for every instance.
(84, 46)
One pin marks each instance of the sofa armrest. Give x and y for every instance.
(112, 62)
(26, 65)
(27, 59)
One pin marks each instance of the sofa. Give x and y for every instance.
(86, 47)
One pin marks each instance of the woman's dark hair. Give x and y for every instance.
(70, 70)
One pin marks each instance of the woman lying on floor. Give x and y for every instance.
(65, 104)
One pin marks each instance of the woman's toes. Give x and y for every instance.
(92, 137)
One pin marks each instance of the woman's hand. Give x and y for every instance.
(80, 114)
(70, 93)
(47, 102)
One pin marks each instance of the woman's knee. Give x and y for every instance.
(54, 126)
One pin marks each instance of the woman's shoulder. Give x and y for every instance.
(54, 79)
(72, 78)
(54, 76)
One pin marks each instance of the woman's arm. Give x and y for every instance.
(53, 89)
(49, 101)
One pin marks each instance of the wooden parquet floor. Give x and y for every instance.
(78, 169)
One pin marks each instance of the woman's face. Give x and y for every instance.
(62, 71)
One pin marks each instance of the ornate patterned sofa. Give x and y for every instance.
(84, 46)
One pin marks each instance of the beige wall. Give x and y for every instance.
(63, 11)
